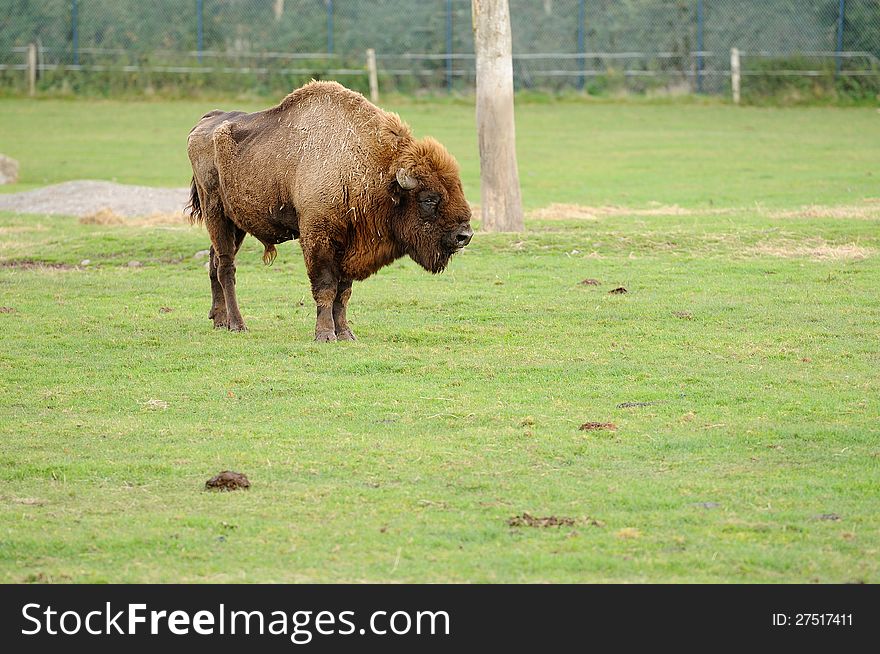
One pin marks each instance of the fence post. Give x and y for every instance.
(582, 19)
(699, 46)
(329, 26)
(374, 77)
(449, 46)
(200, 29)
(32, 68)
(74, 30)
(735, 74)
(841, 11)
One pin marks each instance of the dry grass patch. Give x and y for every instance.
(175, 218)
(22, 229)
(870, 210)
(815, 248)
(558, 211)
(107, 216)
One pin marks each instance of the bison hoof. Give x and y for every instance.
(219, 317)
(237, 327)
(325, 337)
(346, 335)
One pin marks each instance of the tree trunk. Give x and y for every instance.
(501, 204)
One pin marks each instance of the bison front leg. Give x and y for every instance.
(325, 329)
(324, 286)
(325, 274)
(340, 305)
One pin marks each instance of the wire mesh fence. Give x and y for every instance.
(593, 45)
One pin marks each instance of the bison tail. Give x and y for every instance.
(269, 254)
(194, 206)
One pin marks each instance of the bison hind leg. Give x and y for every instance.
(218, 302)
(226, 240)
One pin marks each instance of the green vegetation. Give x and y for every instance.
(697, 154)
(749, 333)
(770, 82)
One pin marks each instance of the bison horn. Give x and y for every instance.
(406, 182)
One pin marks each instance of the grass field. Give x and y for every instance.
(749, 335)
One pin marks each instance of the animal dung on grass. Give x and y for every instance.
(620, 290)
(833, 517)
(528, 520)
(590, 282)
(228, 481)
(592, 426)
(333, 170)
(630, 405)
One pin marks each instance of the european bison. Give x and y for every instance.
(333, 170)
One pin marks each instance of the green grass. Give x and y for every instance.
(631, 154)
(401, 457)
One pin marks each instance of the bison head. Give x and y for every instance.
(434, 218)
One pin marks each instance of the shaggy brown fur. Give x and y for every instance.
(333, 170)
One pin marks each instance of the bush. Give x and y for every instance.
(770, 81)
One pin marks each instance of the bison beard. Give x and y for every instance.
(329, 168)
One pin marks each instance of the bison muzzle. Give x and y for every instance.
(329, 168)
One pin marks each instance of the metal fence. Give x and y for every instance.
(596, 45)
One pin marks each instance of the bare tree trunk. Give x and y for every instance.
(500, 199)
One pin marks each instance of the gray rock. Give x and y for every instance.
(85, 197)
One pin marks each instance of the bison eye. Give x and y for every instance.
(428, 206)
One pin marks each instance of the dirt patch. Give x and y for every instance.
(620, 290)
(592, 426)
(228, 481)
(7, 309)
(528, 520)
(684, 315)
(90, 197)
(628, 533)
(816, 248)
(32, 264)
(165, 309)
(590, 282)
